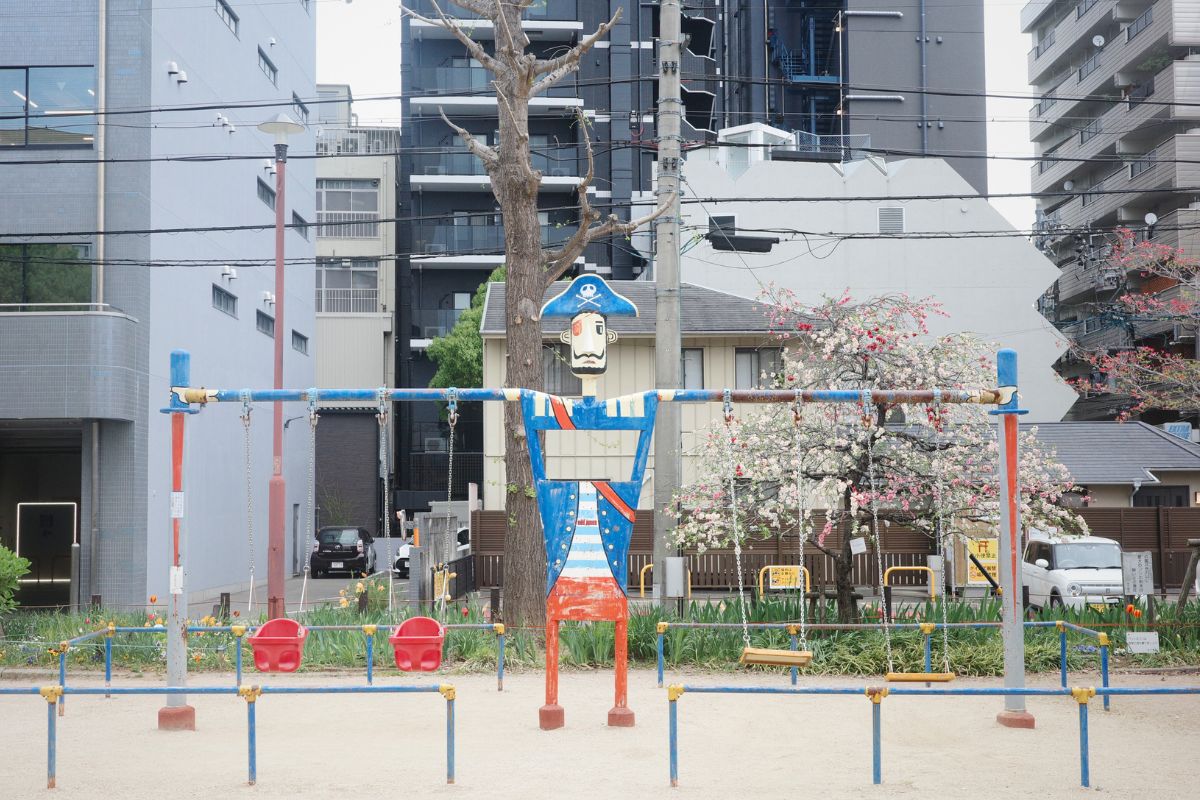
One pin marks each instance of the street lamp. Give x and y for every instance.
(280, 126)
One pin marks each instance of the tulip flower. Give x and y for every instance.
(153, 599)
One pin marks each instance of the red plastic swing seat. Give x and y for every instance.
(278, 645)
(417, 644)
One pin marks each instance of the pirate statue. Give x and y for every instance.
(587, 524)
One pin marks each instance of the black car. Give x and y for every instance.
(342, 549)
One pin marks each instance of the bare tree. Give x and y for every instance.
(518, 76)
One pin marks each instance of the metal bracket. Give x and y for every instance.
(876, 694)
(675, 691)
(447, 691)
(250, 693)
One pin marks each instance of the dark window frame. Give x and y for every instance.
(219, 292)
(266, 194)
(263, 327)
(267, 67)
(300, 339)
(26, 115)
(300, 225)
(229, 17)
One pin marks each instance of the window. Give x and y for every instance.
(266, 193)
(691, 368)
(299, 342)
(224, 301)
(556, 364)
(347, 209)
(348, 285)
(299, 224)
(44, 273)
(300, 109)
(47, 106)
(329, 108)
(227, 16)
(268, 67)
(265, 323)
(462, 301)
(750, 365)
(891, 220)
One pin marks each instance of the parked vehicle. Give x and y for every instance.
(342, 549)
(400, 565)
(1072, 571)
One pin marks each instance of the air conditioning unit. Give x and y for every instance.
(435, 444)
(1182, 333)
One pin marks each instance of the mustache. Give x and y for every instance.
(585, 353)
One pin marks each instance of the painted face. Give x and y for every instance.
(588, 338)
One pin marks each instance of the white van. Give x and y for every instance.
(1072, 571)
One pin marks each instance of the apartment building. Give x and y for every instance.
(103, 106)
(1118, 126)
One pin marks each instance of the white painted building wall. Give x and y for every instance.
(988, 286)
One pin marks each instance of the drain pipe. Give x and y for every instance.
(98, 271)
(924, 85)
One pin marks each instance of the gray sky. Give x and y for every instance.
(359, 44)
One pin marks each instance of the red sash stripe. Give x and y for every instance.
(610, 494)
(560, 414)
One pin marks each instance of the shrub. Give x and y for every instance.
(12, 567)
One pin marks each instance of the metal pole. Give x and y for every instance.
(177, 714)
(251, 743)
(659, 648)
(1104, 667)
(370, 659)
(51, 743)
(928, 654)
(62, 679)
(795, 646)
(277, 493)
(673, 714)
(108, 661)
(876, 745)
(1012, 614)
(668, 459)
(1062, 656)
(499, 656)
(449, 735)
(1082, 696)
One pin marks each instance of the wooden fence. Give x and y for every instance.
(1162, 531)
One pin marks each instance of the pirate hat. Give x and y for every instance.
(589, 293)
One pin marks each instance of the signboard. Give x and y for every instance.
(783, 577)
(1137, 573)
(1142, 641)
(987, 552)
(858, 545)
(176, 505)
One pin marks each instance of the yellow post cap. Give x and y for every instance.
(447, 690)
(1082, 694)
(674, 691)
(498, 628)
(662, 627)
(370, 630)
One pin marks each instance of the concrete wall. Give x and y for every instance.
(885, 52)
(988, 287)
(596, 454)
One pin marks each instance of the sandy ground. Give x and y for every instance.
(337, 746)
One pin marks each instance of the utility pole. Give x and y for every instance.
(668, 461)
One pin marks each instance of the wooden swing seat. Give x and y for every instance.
(919, 677)
(776, 658)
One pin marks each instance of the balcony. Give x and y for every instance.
(1080, 24)
(347, 301)
(87, 345)
(358, 141)
(1098, 333)
(453, 172)
(467, 90)
(429, 323)
(1094, 76)
(1173, 165)
(1180, 230)
(545, 20)
(347, 224)
(1128, 121)
(475, 244)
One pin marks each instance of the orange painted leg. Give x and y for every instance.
(621, 716)
(551, 716)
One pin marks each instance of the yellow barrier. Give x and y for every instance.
(763, 572)
(932, 575)
(642, 581)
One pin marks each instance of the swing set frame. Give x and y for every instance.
(184, 398)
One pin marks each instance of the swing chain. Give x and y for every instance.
(868, 420)
(801, 514)
(733, 508)
(940, 511)
(313, 415)
(450, 537)
(247, 407)
(382, 418)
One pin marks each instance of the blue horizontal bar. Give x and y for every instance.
(665, 395)
(917, 692)
(266, 689)
(20, 690)
(1148, 690)
(85, 637)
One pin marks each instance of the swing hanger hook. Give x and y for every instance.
(452, 406)
(247, 407)
(798, 407)
(312, 407)
(728, 406)
(937, 410)
(868, 415)
(383, 405)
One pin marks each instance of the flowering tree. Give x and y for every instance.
(1163, 297)
(933, 468)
